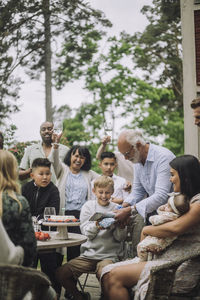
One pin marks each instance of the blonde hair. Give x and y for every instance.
(8, 177)
(104, 181)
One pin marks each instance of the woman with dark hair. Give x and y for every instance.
(187, 167)
(117, 278)
(74, 183)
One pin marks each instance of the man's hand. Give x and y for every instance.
(122, 215)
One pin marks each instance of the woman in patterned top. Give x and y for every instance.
(14, 208)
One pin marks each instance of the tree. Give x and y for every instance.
(117, 92)
(151, 114)
(152, 102)
(110, 81)
(157, 52)
(31, 31)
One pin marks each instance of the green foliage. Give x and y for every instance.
(75, 132)
(152, 102)
(19, 148)
(157, 51)
(152, 115)
(111, 78)
(29, 35)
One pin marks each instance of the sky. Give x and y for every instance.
(125, 15)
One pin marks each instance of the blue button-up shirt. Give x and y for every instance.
(152, 178)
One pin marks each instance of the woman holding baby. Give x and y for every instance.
(118, 278)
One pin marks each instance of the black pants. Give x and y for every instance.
(74, 251)
(48, 263)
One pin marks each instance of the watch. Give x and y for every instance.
(133, 210)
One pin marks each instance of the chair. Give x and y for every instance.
(162, 278)
(82, 286)
(16, 281)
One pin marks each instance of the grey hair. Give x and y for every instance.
(133, 136)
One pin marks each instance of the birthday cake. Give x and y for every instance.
(63, 219)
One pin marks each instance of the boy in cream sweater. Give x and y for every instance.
(103, 245)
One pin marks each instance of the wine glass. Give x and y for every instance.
(48, 212)
(108, 128)
(58, 128)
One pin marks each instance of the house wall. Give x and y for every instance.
(191, 87)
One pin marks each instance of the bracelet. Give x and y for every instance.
(56, 144)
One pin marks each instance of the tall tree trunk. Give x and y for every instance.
(47, 61)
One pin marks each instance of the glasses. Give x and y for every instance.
(127, 153)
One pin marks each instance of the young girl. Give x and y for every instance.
(185, 176)
(14, 208)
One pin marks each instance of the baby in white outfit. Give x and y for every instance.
(176, 206)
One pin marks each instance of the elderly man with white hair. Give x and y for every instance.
(151, 179)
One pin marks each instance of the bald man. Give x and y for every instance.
(151, 183)
(40, 150)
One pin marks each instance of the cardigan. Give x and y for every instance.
(62, 171)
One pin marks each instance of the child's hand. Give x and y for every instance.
(106, 139)
(162, 207)
(117, 200)
(98, 226)
(127, 186)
